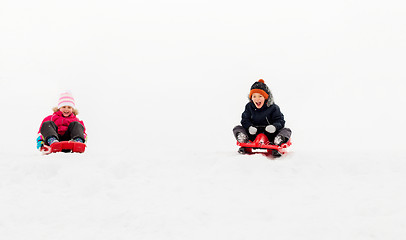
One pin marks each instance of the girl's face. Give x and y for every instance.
(258, 100)
(66, 111)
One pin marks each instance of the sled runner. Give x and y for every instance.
(65, 146)
(261, 144)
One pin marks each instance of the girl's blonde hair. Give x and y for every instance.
(74, 111)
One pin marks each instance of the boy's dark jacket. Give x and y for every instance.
(266, 115)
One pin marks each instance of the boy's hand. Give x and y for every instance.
(252, 130)
(270, 128)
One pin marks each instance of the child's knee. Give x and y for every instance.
(76, 125)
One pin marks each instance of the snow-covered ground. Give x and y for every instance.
(160, 85)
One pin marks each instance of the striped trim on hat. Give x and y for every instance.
(66, 99)
(260, 91)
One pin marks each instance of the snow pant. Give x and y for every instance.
(285, 133)
(75, 130)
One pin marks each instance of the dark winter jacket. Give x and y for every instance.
(266, 115)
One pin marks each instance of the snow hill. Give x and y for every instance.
(160, 85)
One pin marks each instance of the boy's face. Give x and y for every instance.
(258, 100)
(66, 111)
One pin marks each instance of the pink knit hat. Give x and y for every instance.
(66, 99)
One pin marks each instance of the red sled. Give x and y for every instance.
(64, 146)
(261, 144)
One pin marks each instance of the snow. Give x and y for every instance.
(160, 85)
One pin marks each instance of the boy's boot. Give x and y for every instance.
(242, 138)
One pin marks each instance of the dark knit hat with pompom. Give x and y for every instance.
(261, 88)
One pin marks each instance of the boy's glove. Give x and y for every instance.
(40, 142)
(252, 130)
(270, 128)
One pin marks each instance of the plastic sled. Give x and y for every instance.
(261, 144)
(64, 146)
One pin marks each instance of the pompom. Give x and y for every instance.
(261, 80)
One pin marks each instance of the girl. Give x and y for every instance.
(63, 125)
(262, 115)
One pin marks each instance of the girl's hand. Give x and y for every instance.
(40, 142)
